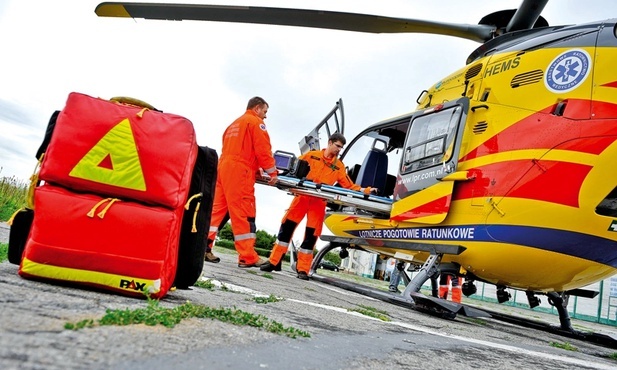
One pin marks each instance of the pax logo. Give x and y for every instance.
(613, 226)
(132, 284)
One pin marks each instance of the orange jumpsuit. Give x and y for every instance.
(246, 148)
(323, 171)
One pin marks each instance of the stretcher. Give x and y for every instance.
(334, 194)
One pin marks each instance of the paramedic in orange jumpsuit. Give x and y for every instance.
(246, 150)
(457, 284)
(325, 168)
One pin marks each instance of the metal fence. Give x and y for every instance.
(601, 309)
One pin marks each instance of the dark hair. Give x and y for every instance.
(337, 137)
(255, 101)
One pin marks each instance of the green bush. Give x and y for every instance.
(333, 257)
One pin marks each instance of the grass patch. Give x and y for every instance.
(4, 252)
(475, 320)
(154, 314)
(205, 284)
(270, 299)
(267, 276)
(613, 356)
(13, 195)
(372, 312)
(565, 345)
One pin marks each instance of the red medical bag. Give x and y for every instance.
(115, 180)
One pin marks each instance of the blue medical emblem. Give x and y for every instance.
(567, 71)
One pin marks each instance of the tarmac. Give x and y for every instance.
(33, 315)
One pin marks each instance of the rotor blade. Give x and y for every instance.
(526, 15)
(292, 17)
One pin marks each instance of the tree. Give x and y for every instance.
(263, 239)
(226, 233)
(333, 257)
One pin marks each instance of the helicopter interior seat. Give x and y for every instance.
(374, 172)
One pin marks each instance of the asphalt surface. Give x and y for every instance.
(33, 315)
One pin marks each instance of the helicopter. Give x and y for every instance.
(502, 172)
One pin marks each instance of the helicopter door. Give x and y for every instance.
(604, 75)
(423, 190)
(333, 122)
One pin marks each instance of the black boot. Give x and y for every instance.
(269, 267)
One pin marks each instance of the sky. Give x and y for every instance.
(207, 71)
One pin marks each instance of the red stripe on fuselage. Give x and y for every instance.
(437, 206)
(549, 181)
(543, 130)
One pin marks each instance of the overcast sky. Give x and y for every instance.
(206, 71)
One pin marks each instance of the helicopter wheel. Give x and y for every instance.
(469, 288)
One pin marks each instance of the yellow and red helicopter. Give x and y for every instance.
(504, 172)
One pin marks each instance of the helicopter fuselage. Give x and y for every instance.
(511, 157)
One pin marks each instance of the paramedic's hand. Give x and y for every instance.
(368, 190)
(273, 179)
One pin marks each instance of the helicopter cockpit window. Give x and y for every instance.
(431, 139)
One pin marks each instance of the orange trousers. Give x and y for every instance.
(444, 284)
(315, 211)
(235, 193)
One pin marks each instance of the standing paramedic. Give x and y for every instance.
(325, 168)
(246, 150)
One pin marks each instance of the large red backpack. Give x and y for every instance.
(118, 183)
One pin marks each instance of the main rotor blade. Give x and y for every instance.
(526, 15)
(292, 17)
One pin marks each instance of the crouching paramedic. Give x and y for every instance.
(325, 168)
(246, 149)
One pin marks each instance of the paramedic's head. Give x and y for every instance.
(259, 106)
(336, 142)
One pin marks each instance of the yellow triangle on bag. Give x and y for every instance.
(113, 160)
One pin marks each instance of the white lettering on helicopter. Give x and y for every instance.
(420, 176)
(496, 68)
(448, 233)
(370, 234)
(453, 233)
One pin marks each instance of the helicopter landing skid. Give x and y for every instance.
(418, 301)
(411, 297)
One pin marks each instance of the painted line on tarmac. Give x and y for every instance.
(505, 347)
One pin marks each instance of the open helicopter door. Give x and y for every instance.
(333, 122)
(295, 184)
(427, 172)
